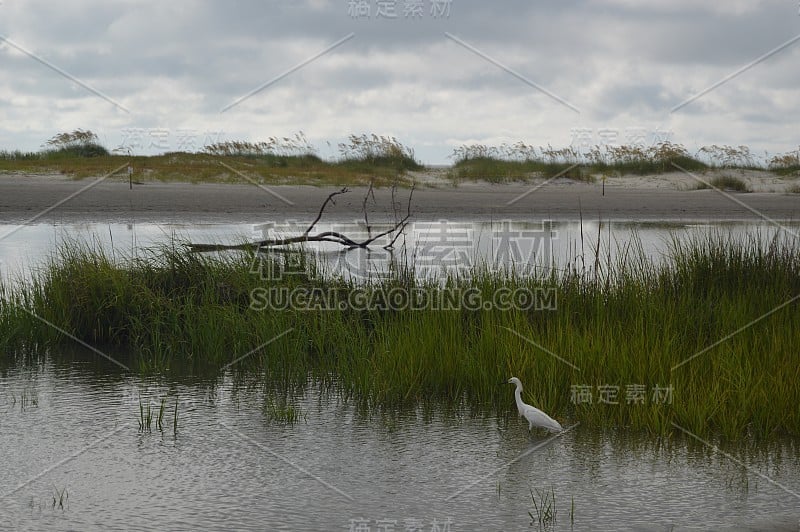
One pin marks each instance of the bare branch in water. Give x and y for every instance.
(326, 236)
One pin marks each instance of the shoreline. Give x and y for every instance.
(56, 199)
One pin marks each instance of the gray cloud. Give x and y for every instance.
(623, 63)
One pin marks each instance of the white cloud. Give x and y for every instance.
(623, 63)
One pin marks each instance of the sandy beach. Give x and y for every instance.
(56, 199)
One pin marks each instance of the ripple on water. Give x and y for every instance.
(230, 467)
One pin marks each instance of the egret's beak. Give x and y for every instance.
(502, 382)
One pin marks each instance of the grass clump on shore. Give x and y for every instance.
(786, 164)
(520, 161)
(514, 162)
(715, 324)
(362, 152)
(78, 144)
(725, 182)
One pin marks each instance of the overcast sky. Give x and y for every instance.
(156, 76)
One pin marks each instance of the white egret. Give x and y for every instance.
(535, 417)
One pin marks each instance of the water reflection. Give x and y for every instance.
(432, 249)
(70, 423)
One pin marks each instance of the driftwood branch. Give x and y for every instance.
(370, 191)
(404, 221)
(326, 236)
(329, 199)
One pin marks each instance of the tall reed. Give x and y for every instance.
(712, 328)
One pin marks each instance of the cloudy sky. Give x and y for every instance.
(162, 76)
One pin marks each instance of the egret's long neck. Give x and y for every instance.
(518, 397)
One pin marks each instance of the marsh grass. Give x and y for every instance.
(544, 507)
(175, 419)
(160, 419)
(147, 415)
(60, 498)
(28, 399)
(629, 321)
(281, 412)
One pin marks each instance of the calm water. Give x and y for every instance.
(69, 426)
(433, 247)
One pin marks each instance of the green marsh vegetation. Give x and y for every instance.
(544, 512)
(684, 322)
(25, 399)
(278, 410)
(147, 415)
